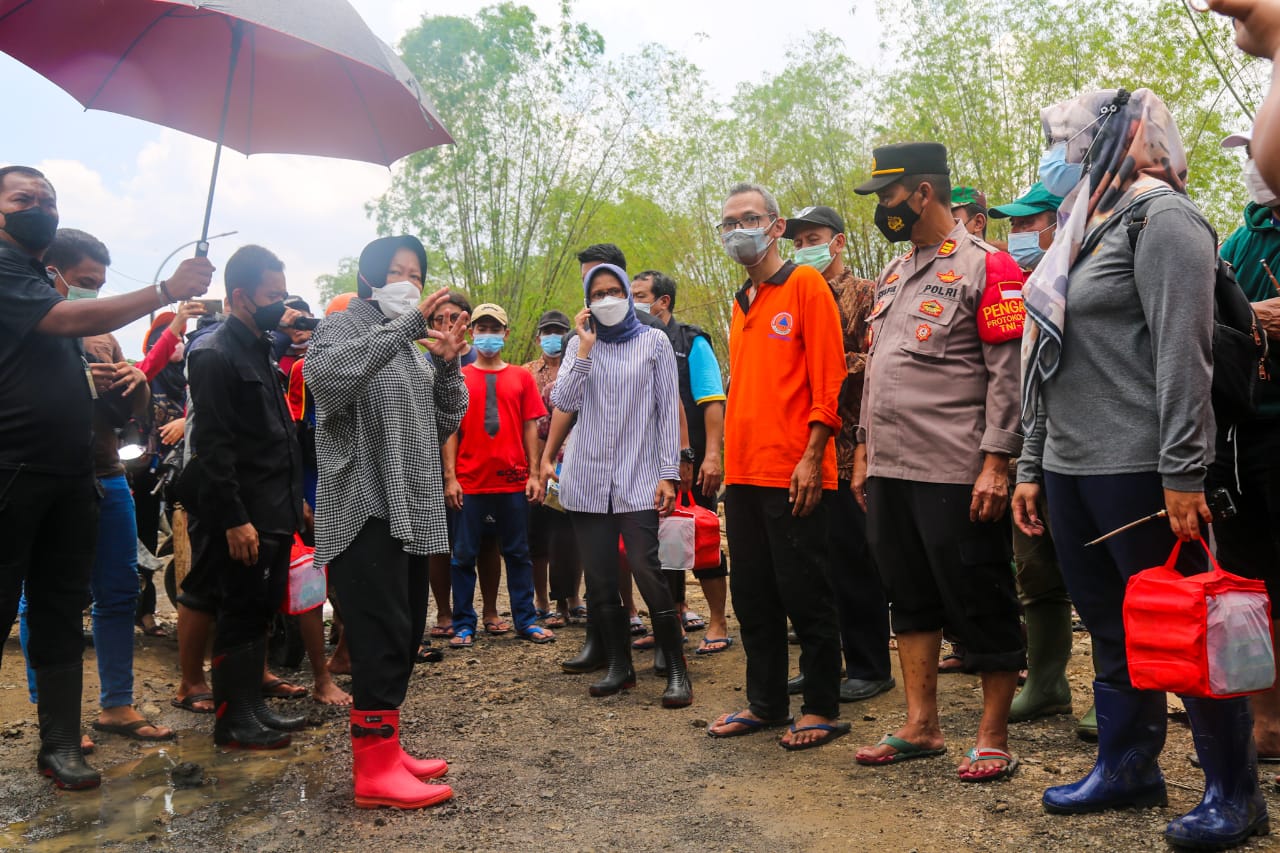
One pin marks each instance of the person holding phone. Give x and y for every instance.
(620, 377)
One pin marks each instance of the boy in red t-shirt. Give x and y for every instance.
(492, 476)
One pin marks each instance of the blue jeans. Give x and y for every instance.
(510, 514)
(114, 583)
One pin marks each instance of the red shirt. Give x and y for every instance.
(496, 464)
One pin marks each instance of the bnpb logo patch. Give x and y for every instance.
(782, 323)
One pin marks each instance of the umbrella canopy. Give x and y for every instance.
(294, 76)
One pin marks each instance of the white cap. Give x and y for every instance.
(1236, 140)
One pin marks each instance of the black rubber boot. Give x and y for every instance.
(615, 632)
(58, 710)
(670, 640)
(237, 693)
(1233, 808)
(591, 657)
(272, 720)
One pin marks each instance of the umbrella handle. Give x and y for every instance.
(237, 36)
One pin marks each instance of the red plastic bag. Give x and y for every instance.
(689, 538)
(1206, 635)
(308, 583)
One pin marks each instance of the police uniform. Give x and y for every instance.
(942, 389)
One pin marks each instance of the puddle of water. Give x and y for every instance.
(137, 800)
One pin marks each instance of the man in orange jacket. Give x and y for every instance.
(786, 362)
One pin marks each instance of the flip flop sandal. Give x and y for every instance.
(645, 642)
(704, 648)
(441, 632)
(577, 615)
(498, 627)
(278, 688)
(537, 636)
(462, 639)
(188, 703)
(752, 725)
(427, 654)
(905, 751)
(131, 730)
(988, 753)
(555, 619)
(693, 622)
(637, 627)
(831, 731)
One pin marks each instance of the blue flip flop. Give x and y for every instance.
(752, 725)
(831, 730)
(704, 646)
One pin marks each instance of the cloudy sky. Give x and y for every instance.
(141, 189)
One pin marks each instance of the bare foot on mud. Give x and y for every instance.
(328, 693)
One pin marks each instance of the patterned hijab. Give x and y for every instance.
(1130, 147)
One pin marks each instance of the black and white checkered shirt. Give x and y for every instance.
(382, 411)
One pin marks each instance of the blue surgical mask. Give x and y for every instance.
(552, 344)
(1058, 176)
(1025, 248)
(644, 307)
(818, 257)
(489, 345)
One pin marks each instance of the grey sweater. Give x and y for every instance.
(1131, 393)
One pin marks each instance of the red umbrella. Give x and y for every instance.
(283, 76)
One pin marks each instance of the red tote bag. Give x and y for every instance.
(689, 538)
(1206, 635)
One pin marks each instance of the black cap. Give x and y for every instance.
(554, 318)
(824, 217)
(892, 163)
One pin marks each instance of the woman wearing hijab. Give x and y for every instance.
(620, 471)
(1117, 374)
(382, 411)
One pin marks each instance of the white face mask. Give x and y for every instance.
(397, 297)
(644, 307)
(610, 311)
(1258, 189)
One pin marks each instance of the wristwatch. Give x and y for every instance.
(687, 454)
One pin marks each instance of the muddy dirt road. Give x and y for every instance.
(538, 764)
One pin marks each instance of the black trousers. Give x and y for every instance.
(384, 594)
(860, 598)
(49, 527)
(780, 571)
(1249, 468)
(942, 570)
(551, 537)
(598, 544)
(1082, 509)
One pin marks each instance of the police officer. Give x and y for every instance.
(939, 424)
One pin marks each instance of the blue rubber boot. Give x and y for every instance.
(1233, 808)
(1131, 731)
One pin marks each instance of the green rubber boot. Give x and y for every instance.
(1048, 649)
(1087, 728)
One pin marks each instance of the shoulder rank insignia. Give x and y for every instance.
(947, 248)
(923, 332)
(949, 277)
(931, 307)
(891, 279)
(910, 254)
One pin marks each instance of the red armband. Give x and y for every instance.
(1001, 312)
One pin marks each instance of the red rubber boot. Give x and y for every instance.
(381, 778)
(423, 769)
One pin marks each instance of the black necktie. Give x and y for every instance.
(491, 420)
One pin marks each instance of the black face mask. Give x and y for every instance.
(267, 317)
(33, 228)
(896, 222)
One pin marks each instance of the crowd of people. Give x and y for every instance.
(927, 451)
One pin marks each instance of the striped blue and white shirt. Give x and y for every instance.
(627, 438)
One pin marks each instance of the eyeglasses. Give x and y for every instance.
(440, 320)
(751, 220)
(616, 292)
